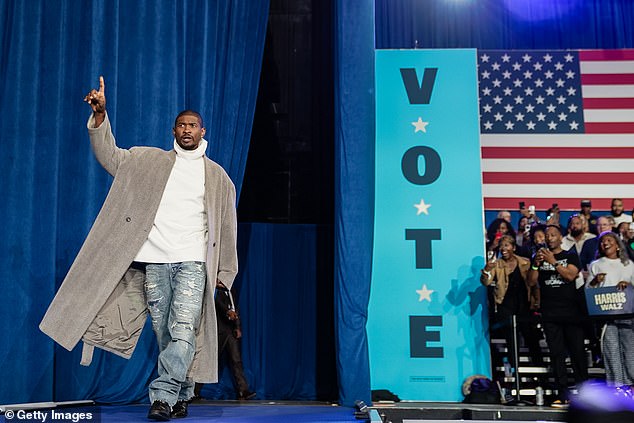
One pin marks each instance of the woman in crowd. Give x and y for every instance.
(522, 239)
(614, 268)
(512, 295)
(495, 231)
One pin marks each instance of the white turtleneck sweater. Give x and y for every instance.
(179, 232)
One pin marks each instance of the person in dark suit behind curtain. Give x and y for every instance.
(229, 335)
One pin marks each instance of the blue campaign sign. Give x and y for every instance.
(428, 321)
(609, 300)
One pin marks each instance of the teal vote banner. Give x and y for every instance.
(428, 321)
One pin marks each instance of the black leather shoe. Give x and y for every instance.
(246, 395)
(180, 409)
(160, 410)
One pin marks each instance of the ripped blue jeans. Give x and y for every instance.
(174, 293)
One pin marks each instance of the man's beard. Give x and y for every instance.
(576, 232)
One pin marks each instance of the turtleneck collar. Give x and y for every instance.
(191, 154)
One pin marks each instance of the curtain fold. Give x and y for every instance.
(157, 57)
(354, 193)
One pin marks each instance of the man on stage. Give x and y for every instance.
(164, 237)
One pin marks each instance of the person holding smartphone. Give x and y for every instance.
(554, 270)
(498, 228)
(512, 296)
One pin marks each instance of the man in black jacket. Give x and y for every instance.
(229, 335)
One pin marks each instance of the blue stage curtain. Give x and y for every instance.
(354, 193)
(158, 57)
(504, 24)
(286, 313)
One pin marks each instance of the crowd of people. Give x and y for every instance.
(540, 273)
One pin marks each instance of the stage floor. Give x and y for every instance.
(200, 411)
(306, 412)
(428, 412)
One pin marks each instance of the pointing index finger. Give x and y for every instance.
(101, 85)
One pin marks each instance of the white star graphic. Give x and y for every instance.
(424, 293)
(422, 207)
(420, 125)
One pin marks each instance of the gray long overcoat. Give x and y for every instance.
(101, 301)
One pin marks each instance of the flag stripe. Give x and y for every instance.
(610, 127)
(556, 140)
(609, 103)
(603, 55)
(613, 115)
(607, 91)
(624, 66)
(557, 152)
(560, 178)
(562, 190)
(558, 165)
(544, 203)
(609, 79)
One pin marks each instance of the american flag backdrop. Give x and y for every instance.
(557, 127)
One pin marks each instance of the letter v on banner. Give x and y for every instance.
(427, 322)
(415, 93)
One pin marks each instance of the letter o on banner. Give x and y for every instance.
(409, 165)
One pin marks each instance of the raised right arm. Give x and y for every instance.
(101, 138)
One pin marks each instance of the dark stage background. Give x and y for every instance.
(307, 204)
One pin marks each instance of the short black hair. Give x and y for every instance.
(189, 112)
(556, 227)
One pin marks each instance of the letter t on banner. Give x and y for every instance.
(428, 320)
